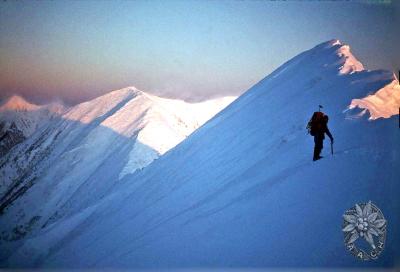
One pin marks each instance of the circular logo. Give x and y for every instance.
(364, 228)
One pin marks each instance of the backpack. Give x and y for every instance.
(316, 123)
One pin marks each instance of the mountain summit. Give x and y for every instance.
(17, 102)
(19, 119)
(349, 63)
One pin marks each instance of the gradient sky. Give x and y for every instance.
(78, 50)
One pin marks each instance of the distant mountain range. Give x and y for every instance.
(59, 160)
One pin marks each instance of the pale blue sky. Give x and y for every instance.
(184, 49)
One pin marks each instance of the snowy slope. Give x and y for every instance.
(83, 153)
(19, 119)
(242, 190)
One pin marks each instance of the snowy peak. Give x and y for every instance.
(88, 111)
(155, 124)
(351, 64)
(18, 103)
(19, 119)
(27, 116)
(347, 62)
(328, 44)
(120, 109)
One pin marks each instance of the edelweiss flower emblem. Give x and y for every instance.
(365, 221)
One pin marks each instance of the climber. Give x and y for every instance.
(317, 127)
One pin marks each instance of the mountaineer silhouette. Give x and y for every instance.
(318, 127)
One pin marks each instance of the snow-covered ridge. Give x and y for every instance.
(158, 122)
(383, 104)
(86, 112)
(199, 112)
(192, 114)
(348, 62)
